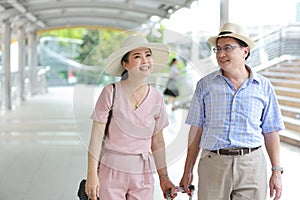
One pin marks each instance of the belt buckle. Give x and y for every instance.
(234, 152)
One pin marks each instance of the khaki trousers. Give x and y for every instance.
(223, 177)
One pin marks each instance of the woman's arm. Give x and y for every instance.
(195, 134)
(95, 145)
(159, 153)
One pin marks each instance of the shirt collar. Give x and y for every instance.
(218, 73)
(253, 76)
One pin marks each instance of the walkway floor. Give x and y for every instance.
(43, 147)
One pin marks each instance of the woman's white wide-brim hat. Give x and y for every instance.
(234, 31)
(160, 54)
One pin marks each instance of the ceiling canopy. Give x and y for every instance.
(120, 14)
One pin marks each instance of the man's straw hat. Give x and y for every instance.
(234, 31)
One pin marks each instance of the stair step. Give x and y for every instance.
(286, 91)
(291, 109)
(294, 70)
(290, 64)
(291, 137)
(292, 124)
(279, 75)
(291, 112)
(285, 83)
(289, 101)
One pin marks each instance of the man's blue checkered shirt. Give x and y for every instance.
(234, 118)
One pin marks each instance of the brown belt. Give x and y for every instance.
(235, 151)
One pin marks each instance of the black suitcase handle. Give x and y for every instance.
(180, 189)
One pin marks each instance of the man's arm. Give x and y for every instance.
(272, 142)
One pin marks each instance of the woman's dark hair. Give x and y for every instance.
(125, 58)
(173, 61)
(124, 74)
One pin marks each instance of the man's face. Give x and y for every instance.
(230, 54)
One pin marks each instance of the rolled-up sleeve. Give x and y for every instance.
(271, 118)
(103, 105)
(196, 112)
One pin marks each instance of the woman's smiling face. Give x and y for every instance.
(140, 60)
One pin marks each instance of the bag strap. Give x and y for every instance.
(110, 112)
(107, 123)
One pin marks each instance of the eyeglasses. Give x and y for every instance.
(226, 48)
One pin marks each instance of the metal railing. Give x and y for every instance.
(16, 97)
(275, 44)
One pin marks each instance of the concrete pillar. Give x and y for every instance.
(224, 12)
(6, 40)
(21, 59)
(32, 60)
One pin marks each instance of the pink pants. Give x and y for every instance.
(118, 185)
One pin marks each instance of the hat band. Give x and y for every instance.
(225, 32)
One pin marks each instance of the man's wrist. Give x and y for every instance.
(277, 168)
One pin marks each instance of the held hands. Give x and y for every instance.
(180, 189)
(186, 183)
(167, 186)
(92, 187)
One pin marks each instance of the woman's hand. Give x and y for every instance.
(92, 186)
(167, 186)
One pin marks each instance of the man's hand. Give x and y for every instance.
(187, 180)
(275, 185)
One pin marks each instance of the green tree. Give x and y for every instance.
(97, 45)
(90, 40)
(75, 33)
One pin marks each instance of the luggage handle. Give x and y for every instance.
(180, 189)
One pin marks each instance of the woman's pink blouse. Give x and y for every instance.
(130, 130)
